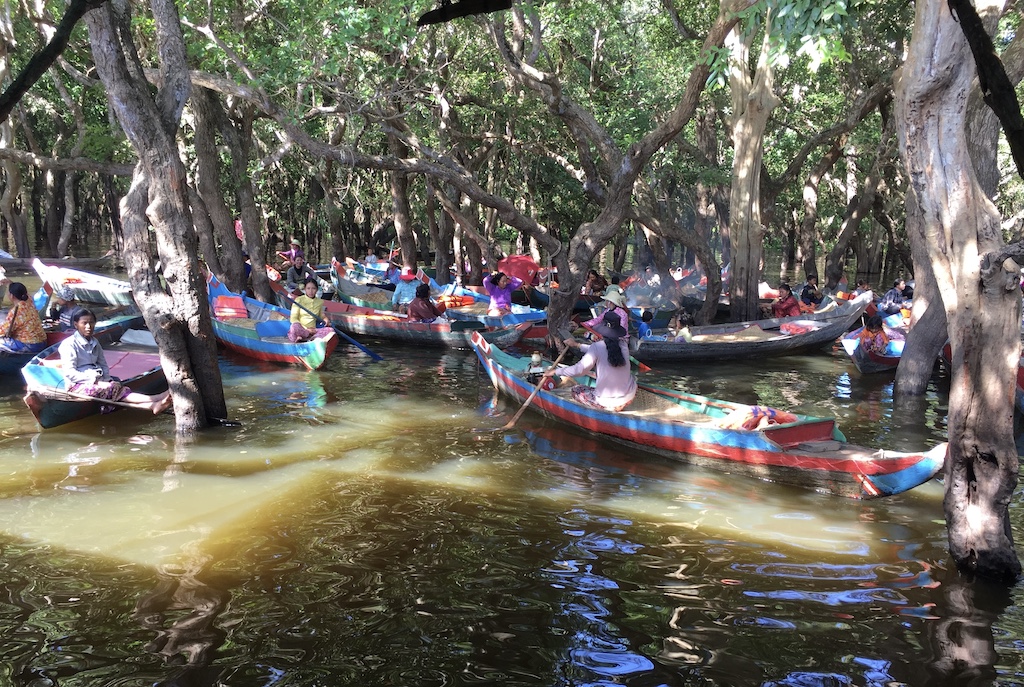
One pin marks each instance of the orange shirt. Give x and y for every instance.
(23, 324)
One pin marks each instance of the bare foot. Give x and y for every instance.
(163, 404)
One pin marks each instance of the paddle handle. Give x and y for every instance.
(529, 399)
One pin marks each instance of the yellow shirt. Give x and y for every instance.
(313, 305)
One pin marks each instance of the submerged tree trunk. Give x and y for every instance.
(980, 293)
(180, 319)
(753, 102)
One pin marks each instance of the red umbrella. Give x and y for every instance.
(522, 266)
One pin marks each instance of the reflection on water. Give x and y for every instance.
(367, 525)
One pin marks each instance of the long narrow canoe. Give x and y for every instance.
(260, 330)
(777, 336)
(397, 327)
(136, 365)
(87, 286)
(803, 451)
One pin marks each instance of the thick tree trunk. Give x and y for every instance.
(753, 103)
(210, 118)
(67, 225)
(981, 296)
(927, 333)
(180, 319)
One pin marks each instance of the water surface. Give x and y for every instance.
(366, 525)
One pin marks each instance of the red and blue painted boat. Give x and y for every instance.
(260, 330)
(804, 451)
(135, 361)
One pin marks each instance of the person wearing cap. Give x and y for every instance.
(297, 275)
(616, 384)
(405, 289)
(295, 251)
(614, 301)
(63, 307)
(22, 331)
(499, 287)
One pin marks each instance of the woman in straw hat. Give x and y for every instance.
(616, 385)
(615, 302)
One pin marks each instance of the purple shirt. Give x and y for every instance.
(501, 298)
(616, 386)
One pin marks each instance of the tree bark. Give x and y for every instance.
(753, 102)
(979, 292)
(180, 319)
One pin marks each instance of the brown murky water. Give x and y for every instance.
(363, 527)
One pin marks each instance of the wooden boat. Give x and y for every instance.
(109, 329)
(136, 364)
(805, 451)
(776, 336)
(87, 287)
(260, 330)
(382, 324)
(871, 362)
(9, 262)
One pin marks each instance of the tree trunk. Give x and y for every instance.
(67, 225)
(180, 320)
(927, 333)
(980, 294)
(753, 103)
(807, 239)
(399, 184)
(210, 118)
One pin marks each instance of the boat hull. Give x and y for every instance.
(809, 453)
(713, 342)
(137, 366)
(262, 333)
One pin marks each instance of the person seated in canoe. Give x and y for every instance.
(785, 305)
(294, 251)
(405, 289)
(616, 385)
(862, 287)
(86, 372)
(499, 287)
(873, 337)
(595, 285)
(811, 295)
(614, 301)
(22, 331)
(297, 275)
(62, 308)
(307, 311)
(894, 299)
(422, 309)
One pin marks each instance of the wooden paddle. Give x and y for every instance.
(340, 333)
(58, 395)
(529, 399)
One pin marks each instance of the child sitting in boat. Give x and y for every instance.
(874, 338)
(22, 331)
(86, 372)
(307, 310)
(786, 304)
(616, 385)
